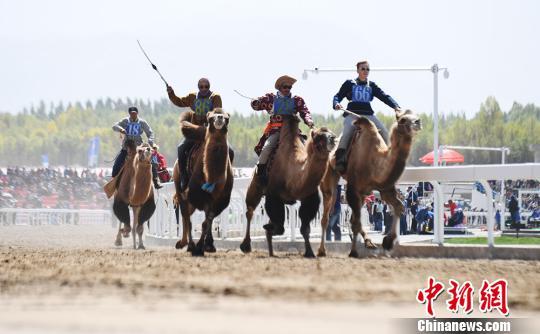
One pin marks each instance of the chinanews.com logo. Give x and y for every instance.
(460, 297)
(492, 296)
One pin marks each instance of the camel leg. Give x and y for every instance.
(276, 212)
(253, 198)
(199, 247)
(209, 240)
(135, 225)
(391, 197)
(118, 241)
(140, 230)
(245, 246)
(308, 211)
(187, 210)
(269, 243)
(125, 230)
(356, 200)
(328, 189)
(191, 243)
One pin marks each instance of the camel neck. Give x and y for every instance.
(398, 153)
(300, 165)
(215, 156)
(142, 183)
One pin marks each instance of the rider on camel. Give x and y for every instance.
(360, 93)
(200, 103)
(277, 104)
(132, 128)
(160, 164)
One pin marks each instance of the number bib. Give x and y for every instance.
(284, 105)
(361, 93)
(134, 129)
(201, 106)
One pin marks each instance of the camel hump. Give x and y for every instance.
(364, 123)
(193, 131)
(186, 116)
(406, 112)
(131, 145)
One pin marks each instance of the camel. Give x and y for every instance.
(210, 186)
(295, 173)
(372, 166)
(134, 188)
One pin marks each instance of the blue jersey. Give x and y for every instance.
(360, 94)
(284, 105)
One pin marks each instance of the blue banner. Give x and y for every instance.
(45, 160)
(93, 152)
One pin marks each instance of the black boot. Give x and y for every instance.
(157, 184)
(155, 177)
(182, 160)
(184, 180)
(261, 174)
(341, 160)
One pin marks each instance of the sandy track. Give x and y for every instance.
(75, 270)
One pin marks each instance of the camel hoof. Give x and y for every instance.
(191, 247)
(118, 242)
(126, 231)
(321, 253)
(197, 251)
(245, 246)
(180, 244)
(309, 254)
(210, 248)
(354, 253)
(388, 243)
(141, 247)
(369, 244)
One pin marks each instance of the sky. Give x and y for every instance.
(83, 50)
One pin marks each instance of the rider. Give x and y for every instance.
(159, 163)
(359, 92)
(133, 127)
(278, 104)
(200, 103)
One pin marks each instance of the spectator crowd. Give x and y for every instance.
(22, 187)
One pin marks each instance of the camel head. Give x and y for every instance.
(218, 120)
(323, 139)
(408, 122)
(131, 147)
(144, 152)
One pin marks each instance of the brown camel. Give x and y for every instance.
(295, 174)
(372, 166)
(134, 188)
(210, 186)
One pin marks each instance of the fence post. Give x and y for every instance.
(438, 211)
(490, 216)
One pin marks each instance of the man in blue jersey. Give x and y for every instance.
(359, 92)
(132, 128)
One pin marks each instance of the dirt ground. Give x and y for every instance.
(65, 279)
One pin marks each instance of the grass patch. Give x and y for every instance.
(502, 240)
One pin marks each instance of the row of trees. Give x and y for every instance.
(64, 132)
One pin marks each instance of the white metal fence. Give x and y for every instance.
(232, 221)
(17, 216)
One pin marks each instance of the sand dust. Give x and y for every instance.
(71, 279)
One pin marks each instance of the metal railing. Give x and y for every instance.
(231, 223)
(18, 216)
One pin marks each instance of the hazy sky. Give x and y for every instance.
(80, 50)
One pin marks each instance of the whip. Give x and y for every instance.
(153, 66)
